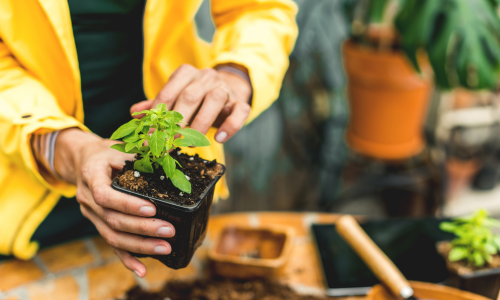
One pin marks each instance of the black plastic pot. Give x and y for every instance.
(190, 223)
(484, 282)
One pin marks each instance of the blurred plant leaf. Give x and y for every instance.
(461, 38)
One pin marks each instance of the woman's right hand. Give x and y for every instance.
(87, 161)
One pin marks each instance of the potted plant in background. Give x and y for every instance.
(182, 198)
(397, 50)
(473, 256)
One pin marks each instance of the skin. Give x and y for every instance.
(206, 98)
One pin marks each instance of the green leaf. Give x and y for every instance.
(490, 248)
(154, 117)
(447, 226)
(143, 165)
(161, 107)
(458, 253)
(130, 146)
(121, 148)
(461, 39)
(180, 166)
(174, 117)
(182, 143)
(180, 182)
(164, 124)
(168, 165)
(125, 129)
(131, 138)
(147, 112)
(496, 240)
(195, 137)
(478, 259)
(157, 142)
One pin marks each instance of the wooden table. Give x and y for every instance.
(88, 269)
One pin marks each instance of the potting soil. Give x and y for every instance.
(221, 289)
(199, 171)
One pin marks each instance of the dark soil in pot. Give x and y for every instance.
(484, 281)
(188, 213)
(221, 289)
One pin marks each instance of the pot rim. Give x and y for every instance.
(169, 203)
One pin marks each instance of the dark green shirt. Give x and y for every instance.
(109, 43)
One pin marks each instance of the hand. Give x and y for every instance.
(87, 161)
(205, 98)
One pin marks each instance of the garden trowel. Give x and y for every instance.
(375, 259)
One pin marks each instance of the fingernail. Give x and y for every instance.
(221, 137)
(137, 273)
(165, 232)
(161, 250)
(147, 211)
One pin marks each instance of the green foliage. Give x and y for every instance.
(135, 134)
(461, 37)
(474, 242)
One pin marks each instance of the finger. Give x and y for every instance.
(97, 178)
(179, 80)
(193, 95)
(126, 241)
(213, 104)
(130, 262)
(137, 225)
(234, 122)
(140, 106)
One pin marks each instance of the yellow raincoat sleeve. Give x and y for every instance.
(27, 107)
(258, 34)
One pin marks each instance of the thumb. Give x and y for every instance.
(140, 106)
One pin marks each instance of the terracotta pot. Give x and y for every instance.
(423, 290)
(388, 102)
(245, 252)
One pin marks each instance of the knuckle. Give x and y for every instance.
(218, 94)
(145, 246)
(234, 125)
(190, 96)
(143, 228)
(111, 220)
(80, 198)
(84, 211)
(186, 67)
(246, 108)
(209, 72)
(99, 194)
(165, 96)
(111, 240)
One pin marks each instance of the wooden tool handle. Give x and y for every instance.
(375, 259)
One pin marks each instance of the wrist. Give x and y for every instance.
(68, 152)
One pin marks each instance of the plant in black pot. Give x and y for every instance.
(180, 186)
(473, 256)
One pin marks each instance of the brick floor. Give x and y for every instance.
(103, 247)
(109, 281)
(62, 288)
(66, 256)
(19, 272)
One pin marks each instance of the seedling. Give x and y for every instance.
(155, 154)
(474, 242)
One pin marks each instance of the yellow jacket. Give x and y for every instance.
(40, 84)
